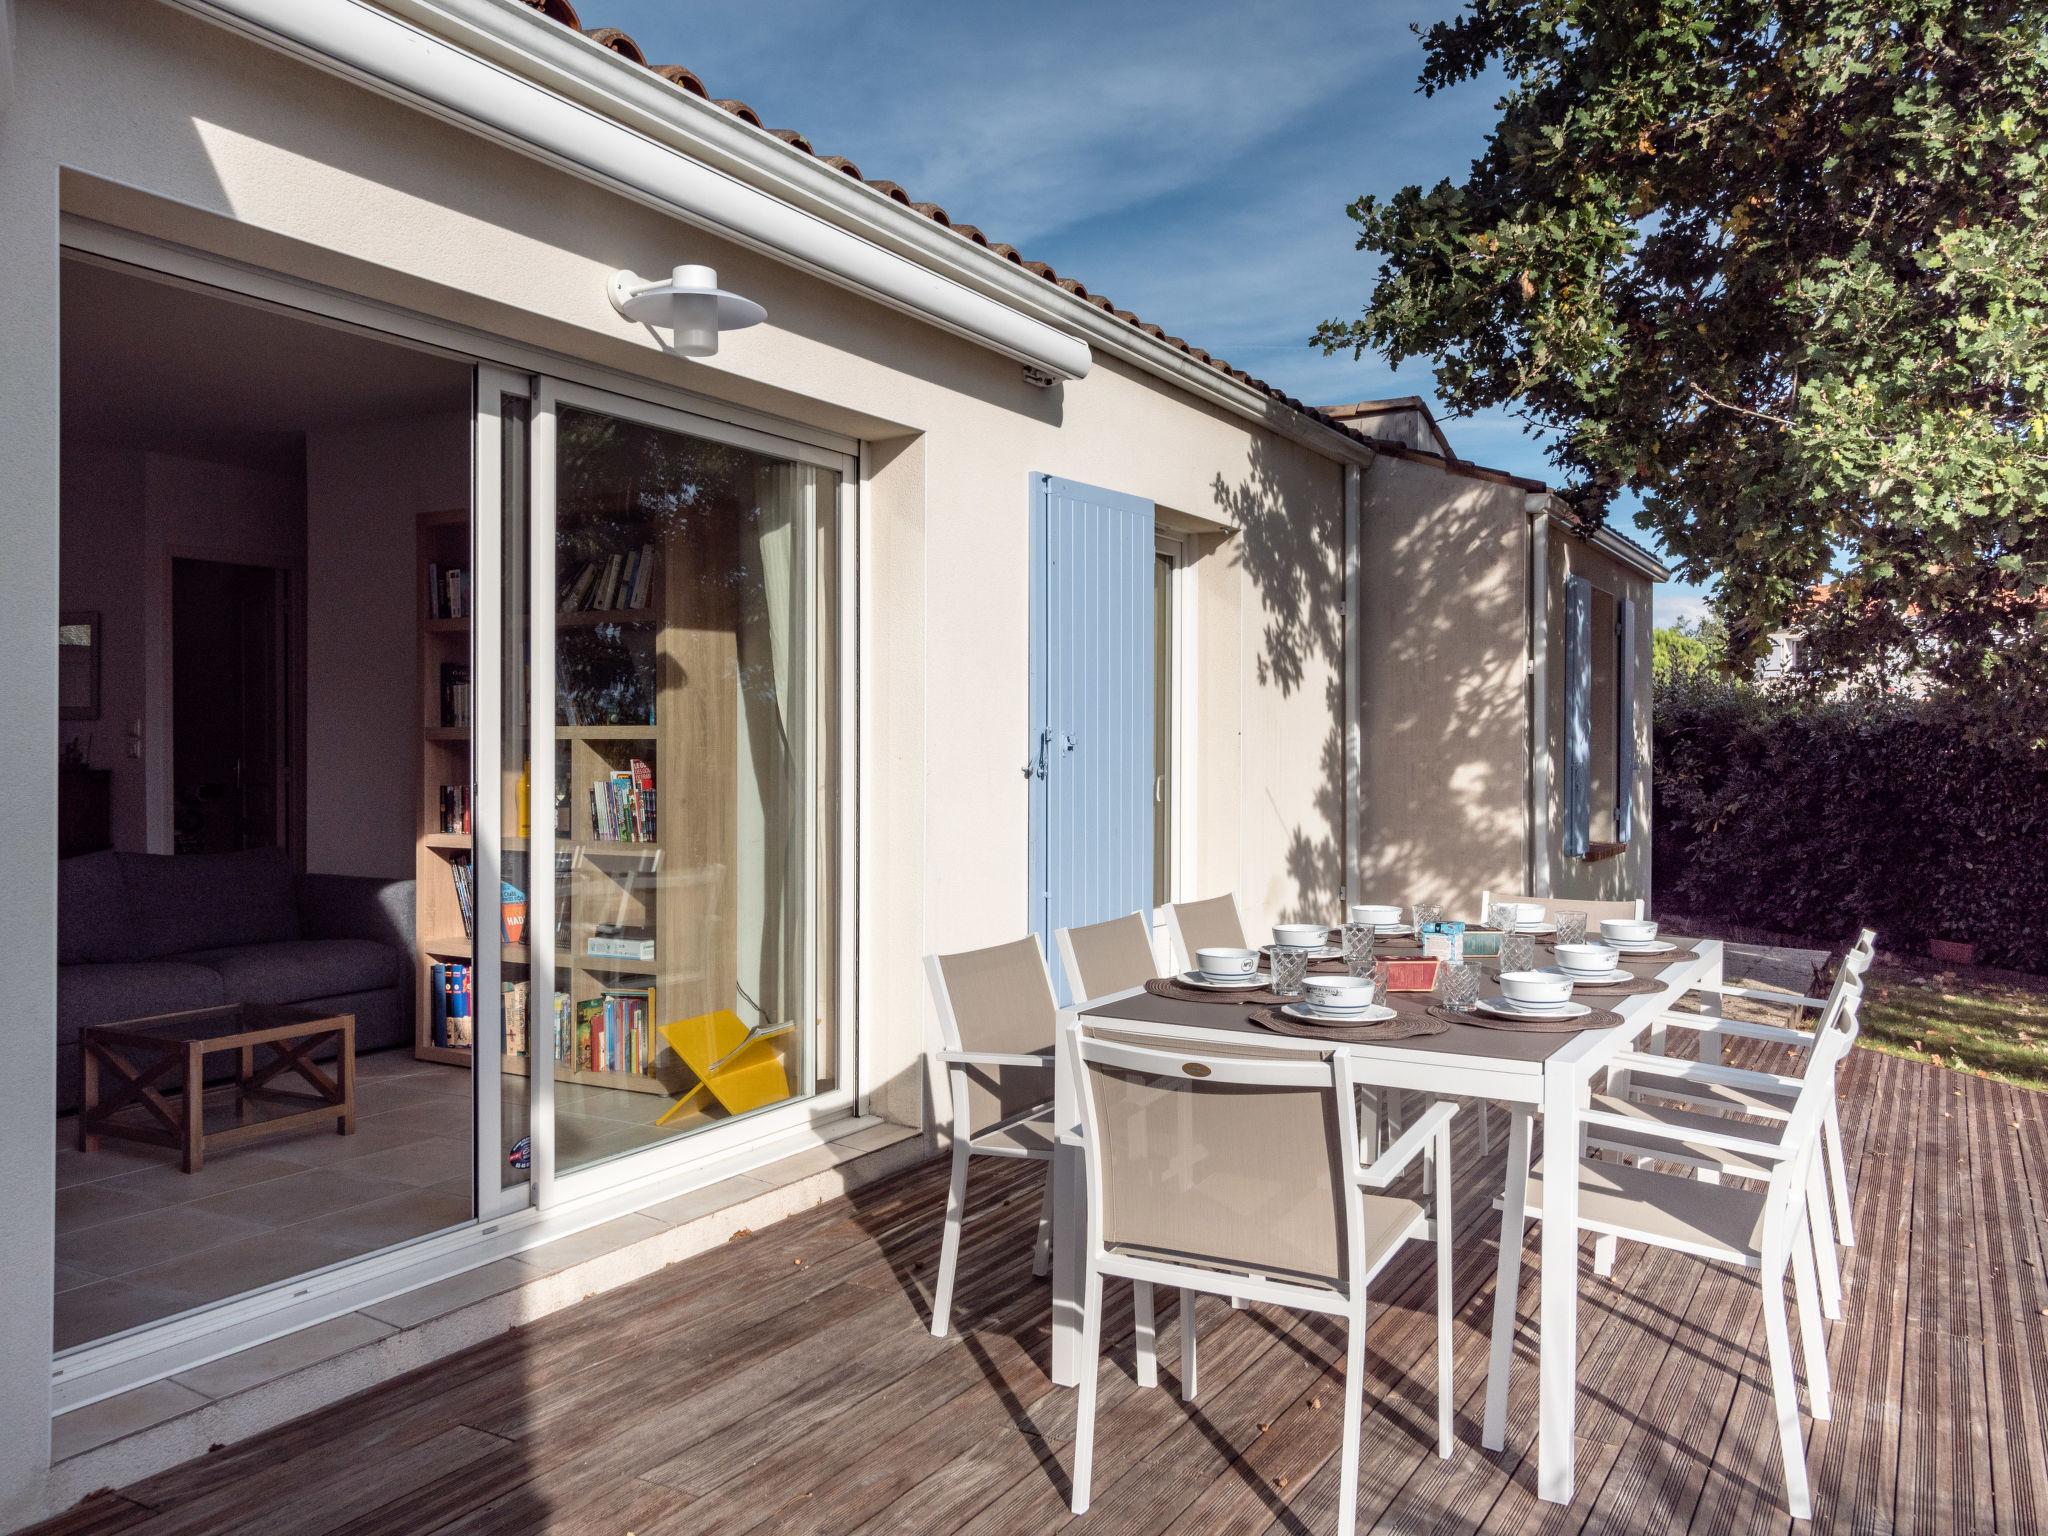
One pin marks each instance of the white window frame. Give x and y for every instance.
(104, 1368)
(1181, 729)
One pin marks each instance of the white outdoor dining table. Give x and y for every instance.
(1549, 1075)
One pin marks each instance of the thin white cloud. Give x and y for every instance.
(1675, 605)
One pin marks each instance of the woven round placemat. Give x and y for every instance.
(1599, 1018)
(1404, 1026)
(1180, 992)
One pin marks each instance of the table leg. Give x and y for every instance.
(88, 1097)
(1558, 1312)
(1717, 1003)
(345, 1075)
(245, 1068)
(1068, 1275)
(192, 1113)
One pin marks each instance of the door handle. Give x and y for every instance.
(1037, 770)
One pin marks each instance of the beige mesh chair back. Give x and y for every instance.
(1594, 910)
(1238, 1174)
(1107, 957)
(1213, 923)
(1766, 1230)
(997, 1019)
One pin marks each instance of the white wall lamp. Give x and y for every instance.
(689, 302)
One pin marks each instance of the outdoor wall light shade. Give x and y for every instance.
(690, 303)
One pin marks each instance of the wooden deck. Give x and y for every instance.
(785, 1383)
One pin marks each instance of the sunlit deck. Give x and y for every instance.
(786, 1383)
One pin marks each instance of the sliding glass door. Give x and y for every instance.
(679, 911)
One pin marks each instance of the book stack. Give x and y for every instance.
(447, 592)
(511, 902)
(609, 584)
(610, 941)
(464, 876)
(615, 1033)
(454, 693)
(622, 805)
(455, 809)
(449, 995)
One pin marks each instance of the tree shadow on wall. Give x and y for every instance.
(1291, 547)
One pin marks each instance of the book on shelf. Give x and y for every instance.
(448, 996)
(622, 805)
(513, 1003)
(615, 1031)
(511, 912)
(454, 693)
(618, 582)
(610, 941)
(455, 809)
(463, 875)
(447, 592)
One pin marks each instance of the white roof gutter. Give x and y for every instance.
(440, 64)
(497, 67)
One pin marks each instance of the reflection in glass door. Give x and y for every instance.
(693, 612)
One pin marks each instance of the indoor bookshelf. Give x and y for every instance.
(611, 655)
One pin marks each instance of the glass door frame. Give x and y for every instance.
(549, 394)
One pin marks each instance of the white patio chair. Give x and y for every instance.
(1107, 957)
(1213, 923)
(1718, 1091)
(1765, 1229)
(997, 1019)
(1240, 1174)
(1594, 910)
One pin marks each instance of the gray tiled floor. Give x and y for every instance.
(138, 1240)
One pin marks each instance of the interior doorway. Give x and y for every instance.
(231, 758)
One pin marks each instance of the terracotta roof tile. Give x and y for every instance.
(617, 41)
(675, 74)
(564, 13)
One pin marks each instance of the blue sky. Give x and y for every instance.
(1191, 160)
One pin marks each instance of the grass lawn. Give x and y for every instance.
(1992, 1023)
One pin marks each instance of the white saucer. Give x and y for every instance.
(1321, 952)
(1392, 930)
(1641, 946)
(1538, 929)
(1374, 1014)
(1590, 978)
(1237, 984)
(1507, 1008)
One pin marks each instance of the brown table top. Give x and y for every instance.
(230, 1021)
(1459, 1040)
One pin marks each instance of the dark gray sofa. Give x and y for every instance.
(143, 933)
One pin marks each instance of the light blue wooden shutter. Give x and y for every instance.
(1091, 707)
(1625, 720)
(1578, 715)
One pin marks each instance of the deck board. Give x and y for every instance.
(785, 1382)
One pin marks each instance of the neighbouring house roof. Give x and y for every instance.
(684, 79)
(1408, 415)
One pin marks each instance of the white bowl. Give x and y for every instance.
(1627, 930)
(1226, 964)
(1301, 935)
(1375, 914)
(1533, 989)
(1338, 994)
(1592, 959)
(1520, 911)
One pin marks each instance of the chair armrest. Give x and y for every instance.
(1380, 1173)
(1748, 1145)
(1768, 995)
(1641, 1064)
(996, 1059)
(1708, 1023)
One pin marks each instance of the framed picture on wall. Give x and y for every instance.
(78, 665)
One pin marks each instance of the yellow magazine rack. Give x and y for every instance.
(737, 1067)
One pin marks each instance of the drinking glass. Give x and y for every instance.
(1518, 951)
(1358, 948)
(1571, 926)
(1426, 912)
(1379, 983)
(1457, 986)
(1502, 916)
(1290, 970)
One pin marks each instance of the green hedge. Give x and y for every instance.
(1919, 818)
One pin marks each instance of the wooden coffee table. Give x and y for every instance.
(130, 1064)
